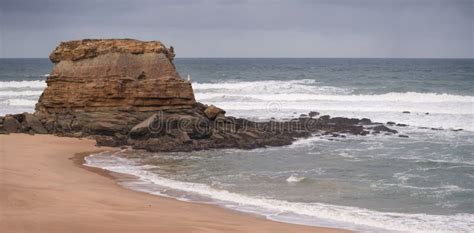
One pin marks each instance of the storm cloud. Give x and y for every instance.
(239, 28)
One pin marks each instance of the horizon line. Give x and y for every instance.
(283, 57)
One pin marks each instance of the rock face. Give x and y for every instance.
(113, 75)
(127, 92)
(107, 86)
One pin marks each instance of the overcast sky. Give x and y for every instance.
(251, 28)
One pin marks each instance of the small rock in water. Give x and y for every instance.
(403, 136)
(401, 125)
(313, 113)
(325, 117)
(406, 112)
(391, 123)
(384, 128)
(427, 113)
(365, 121)
(364, 132)
(456, 130)
(436, 129)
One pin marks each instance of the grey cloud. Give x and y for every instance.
(337, 28)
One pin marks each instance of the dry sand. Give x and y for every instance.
(42, 189)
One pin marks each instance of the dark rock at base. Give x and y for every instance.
(11, 124)
(313, 114)
(144, 128)
(106, 141)
(403, 136)
(365, 121)
(406, 112)
(212, 112)
(401, 125)
(383, 128)
(111, 141)
(105, 128)
(34, 123)
(344, 121)
(325, 117)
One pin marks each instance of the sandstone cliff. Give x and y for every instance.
(113, 75)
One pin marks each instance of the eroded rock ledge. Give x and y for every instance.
(127, 92)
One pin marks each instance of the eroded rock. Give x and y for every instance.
(11, 125)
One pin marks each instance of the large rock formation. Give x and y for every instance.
(127, 92)
(94, 80)
(113, 75)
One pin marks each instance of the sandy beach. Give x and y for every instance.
(44, 188)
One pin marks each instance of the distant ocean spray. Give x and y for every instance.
(423, 183)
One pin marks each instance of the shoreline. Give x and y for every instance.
(47, 188)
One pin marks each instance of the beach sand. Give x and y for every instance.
(44, 188)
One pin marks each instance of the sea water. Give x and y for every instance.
(424, 183)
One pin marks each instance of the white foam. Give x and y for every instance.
(295, 179)
(351, 217)
(304, 86)
(23, 84)
(20, 93)
(19, 102)
(410, 97)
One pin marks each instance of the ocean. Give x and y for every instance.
(375, 183)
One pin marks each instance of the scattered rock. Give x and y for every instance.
(427, 113)
(212, 112)
(11, 125)
(390, 123)
(313, 114)
(145, 127)
(402, 136)
(344, 121)
(106, 141)
(32, 122)
(401, 125)
(365, 121)
(457, 130)
(406, 112)
(383, 128)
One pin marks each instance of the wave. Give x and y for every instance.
(304, 86)
(410, 97)
(23, 84)
(342, 216)
(295, 179)
(20, 93)
(19, 102)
